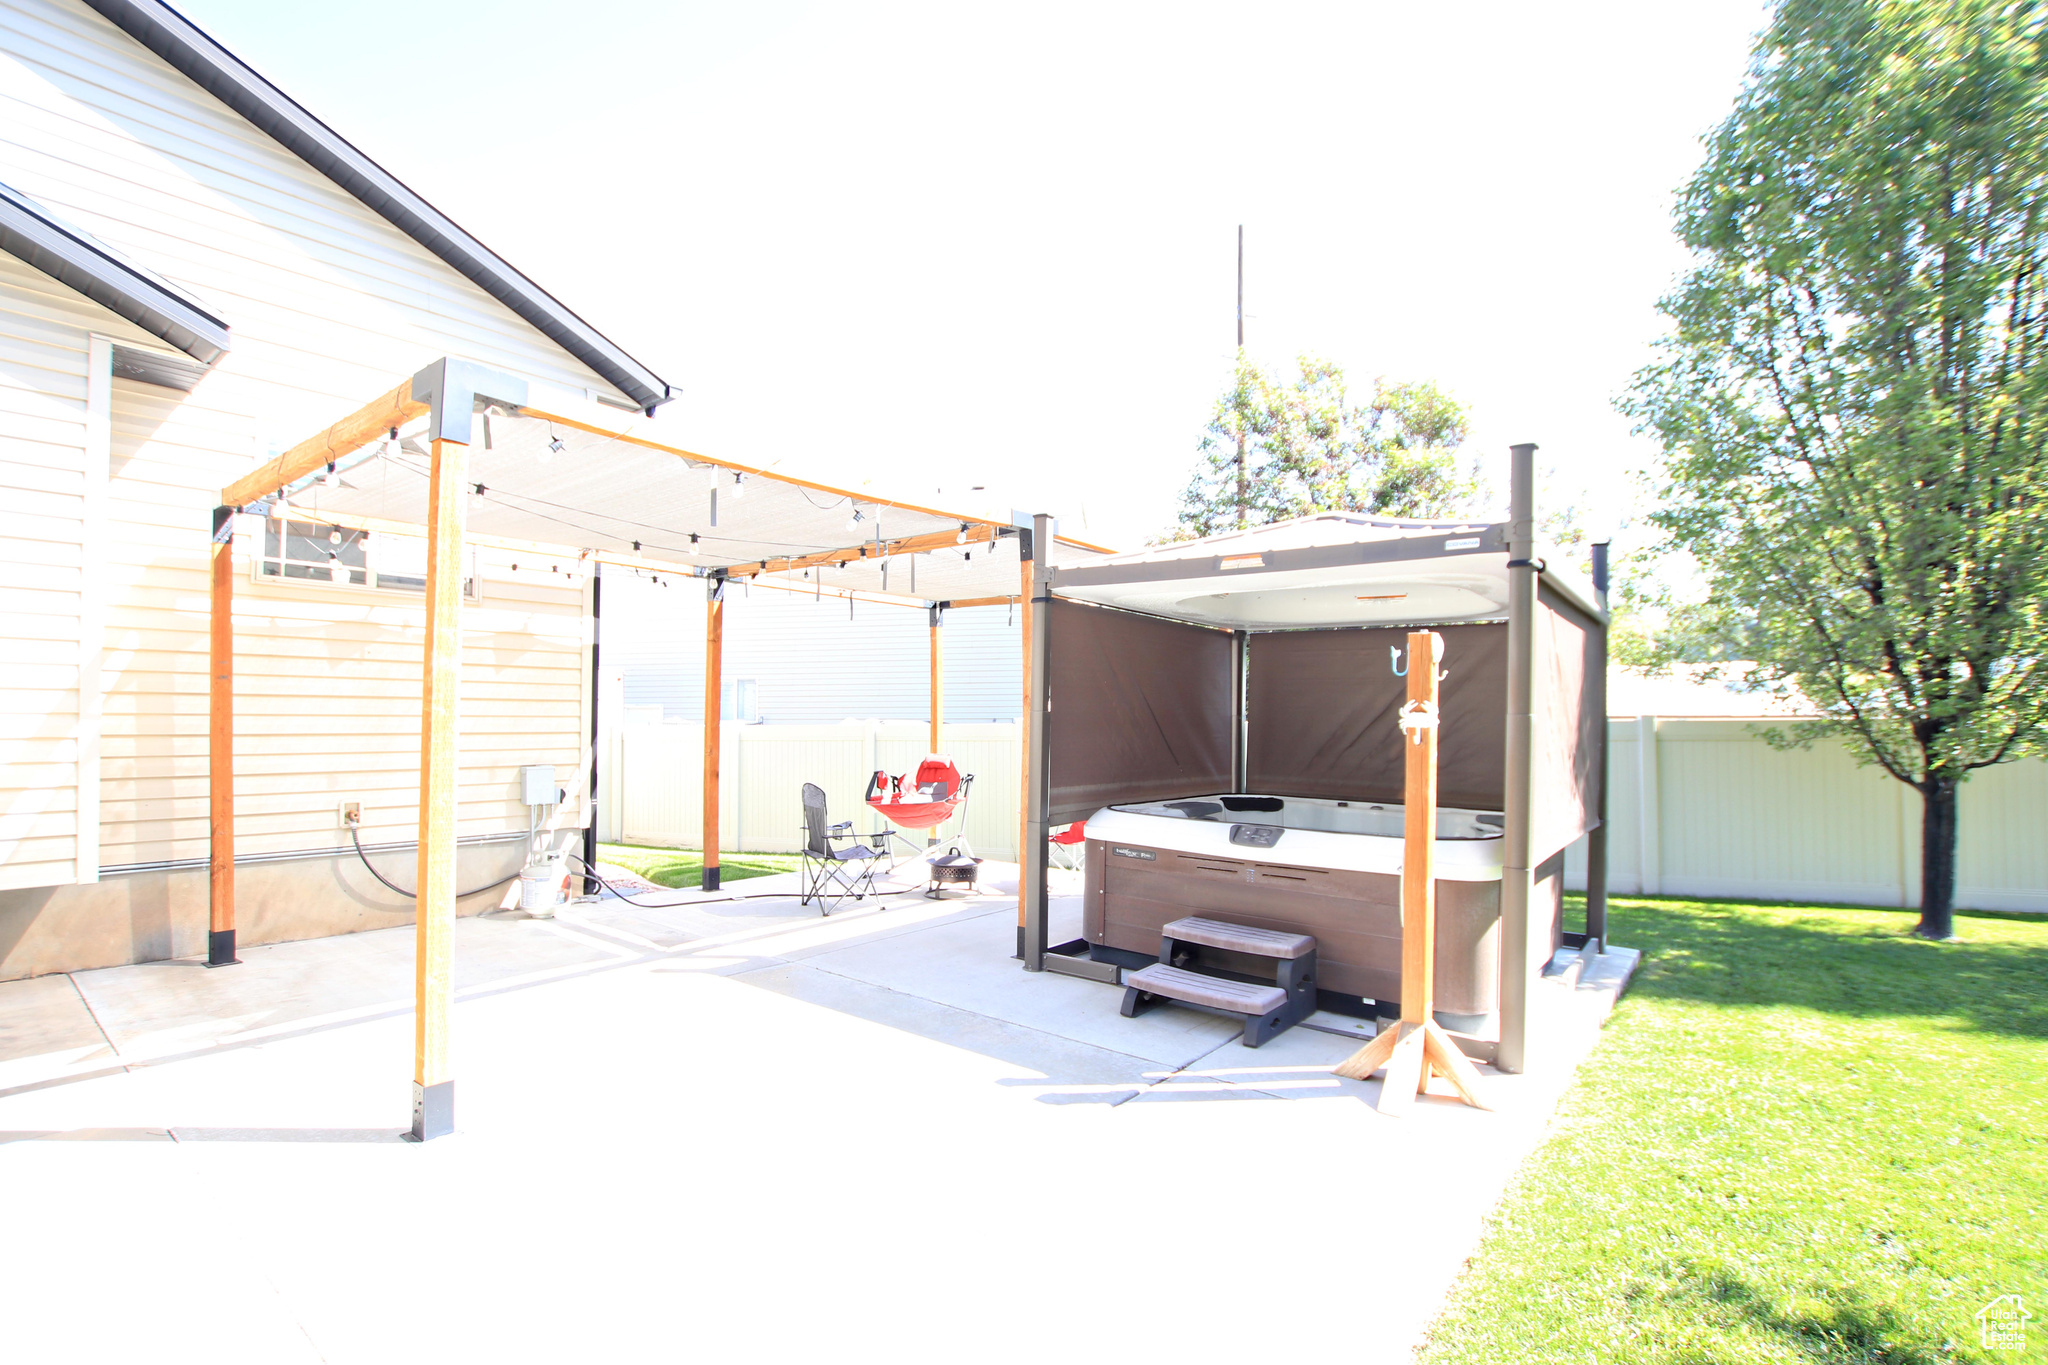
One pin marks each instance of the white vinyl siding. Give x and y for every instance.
(327, 680)
(327, 300)
(45, 335)
(329, 306)
(42, 522)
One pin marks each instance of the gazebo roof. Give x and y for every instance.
(1328, 569)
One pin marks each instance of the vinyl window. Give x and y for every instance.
(343, 557)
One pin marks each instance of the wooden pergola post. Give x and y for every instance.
(450, 391)
(1024, 727)
(938, 619)
(1037, 751)
(433, 1083)
(938, 693)
(220, 747)
(714, 678)
(1417, 1047)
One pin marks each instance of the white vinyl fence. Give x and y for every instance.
(1705, 808)
(655, 785)
(1695, 807)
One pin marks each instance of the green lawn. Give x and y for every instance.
(1805, 1136)
(681, 867)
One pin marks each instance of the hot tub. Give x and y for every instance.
(1312, 866)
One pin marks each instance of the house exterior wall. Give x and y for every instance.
(329, 306)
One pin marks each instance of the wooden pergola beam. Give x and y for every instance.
(907, 545)
(751, 471)
(986, 602)
(345, 437)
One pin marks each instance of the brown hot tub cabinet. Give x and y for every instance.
(1136, 884)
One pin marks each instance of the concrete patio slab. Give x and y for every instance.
(968, 964)
(791, 1140)
(1046, 1068)
(46, 1029)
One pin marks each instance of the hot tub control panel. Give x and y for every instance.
(1255, 836)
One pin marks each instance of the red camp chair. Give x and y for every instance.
(1064, 848)
(924, 799)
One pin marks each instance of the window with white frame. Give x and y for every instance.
(741, 702)
(310, 552)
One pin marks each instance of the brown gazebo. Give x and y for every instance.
(1260, 662)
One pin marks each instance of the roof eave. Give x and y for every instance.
(31, 233)
(221, 74)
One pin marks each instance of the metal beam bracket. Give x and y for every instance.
(452, 389)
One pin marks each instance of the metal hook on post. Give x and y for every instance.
(1396, 662)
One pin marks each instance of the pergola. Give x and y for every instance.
(462, 457)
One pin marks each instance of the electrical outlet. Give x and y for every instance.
(351, 814)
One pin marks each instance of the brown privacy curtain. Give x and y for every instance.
(1140, 708)
(1324, 706)
(1570, 731)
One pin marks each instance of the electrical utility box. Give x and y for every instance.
(537, 785)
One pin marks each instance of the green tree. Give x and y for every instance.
(1851, 401)
(1275, 450)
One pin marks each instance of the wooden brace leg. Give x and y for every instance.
(1404, 1073)
(1453, 1065)
(1360, 1065)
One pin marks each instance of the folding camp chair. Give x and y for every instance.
(831, 873)
(1064, 847)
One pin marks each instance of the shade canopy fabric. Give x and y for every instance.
(1331, 569)
(1141, 709)
(1323, 711)
(581, 485)
(1569, 750)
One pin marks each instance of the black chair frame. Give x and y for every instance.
(833, 874)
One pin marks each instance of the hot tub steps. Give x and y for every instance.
(1239, 938)
(1267, 1009)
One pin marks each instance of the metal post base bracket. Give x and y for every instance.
(220, 949)
(710, 879)
(433, 1110)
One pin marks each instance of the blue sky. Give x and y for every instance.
(943, 245)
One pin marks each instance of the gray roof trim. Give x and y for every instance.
(74, 259)
(160, 368)
(221, 74)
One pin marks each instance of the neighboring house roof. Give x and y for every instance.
(220, 73)
(80, 261)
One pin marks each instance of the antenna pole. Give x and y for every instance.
(1243, 492)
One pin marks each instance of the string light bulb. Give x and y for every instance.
(853, 522)
(739, 484)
